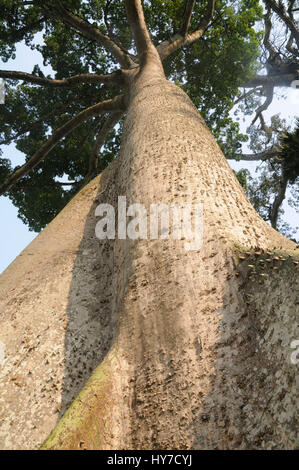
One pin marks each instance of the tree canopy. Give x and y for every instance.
(64, 123)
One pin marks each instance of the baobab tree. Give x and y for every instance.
(174, 348)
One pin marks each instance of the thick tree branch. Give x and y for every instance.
(88, 30)
(187, 17)
(177, 41)
(111, 121)
(116, 104)
(134, 59)
(268, 130)
(281, 74)
(269, 97)
(273, 215)
(266, 155)
(138, 26)
(281, 80)
(288, 21)
(75, 80)
(268, 27)
(289, 46)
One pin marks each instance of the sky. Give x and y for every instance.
(15, 236)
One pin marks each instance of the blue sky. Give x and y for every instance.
(15, 236)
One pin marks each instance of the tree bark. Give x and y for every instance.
(193, 347)
(273, 216)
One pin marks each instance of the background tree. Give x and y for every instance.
(278, 170)
(279, 59)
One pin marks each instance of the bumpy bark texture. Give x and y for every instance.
(195, 344)
(55, 322)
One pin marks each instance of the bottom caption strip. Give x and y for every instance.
(153, 459)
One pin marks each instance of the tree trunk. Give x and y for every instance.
(193, 346)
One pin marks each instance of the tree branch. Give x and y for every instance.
(105, 13)
(90, 31)
(291, 8)
(281, 80)
(166, 48)
(27, 185)
(138, 26)
(268, 130)
(290, 48)
(266, 155)
(112, 36)
(187, 17)
(248, 93)
(75, 80)
(268, 27)
(288, 21)
(116, 104)
(19, 34)
(279, 74)
(269, 97)
(101, 137)
(273, 215)
(42, 119)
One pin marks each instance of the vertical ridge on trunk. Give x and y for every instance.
(55, 321)
(175, 307)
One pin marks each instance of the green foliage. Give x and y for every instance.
(262, 191)
(5, 169)
(242, 176)
(213, 68)
(290, 153)
(210, 71)
(265, 186)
